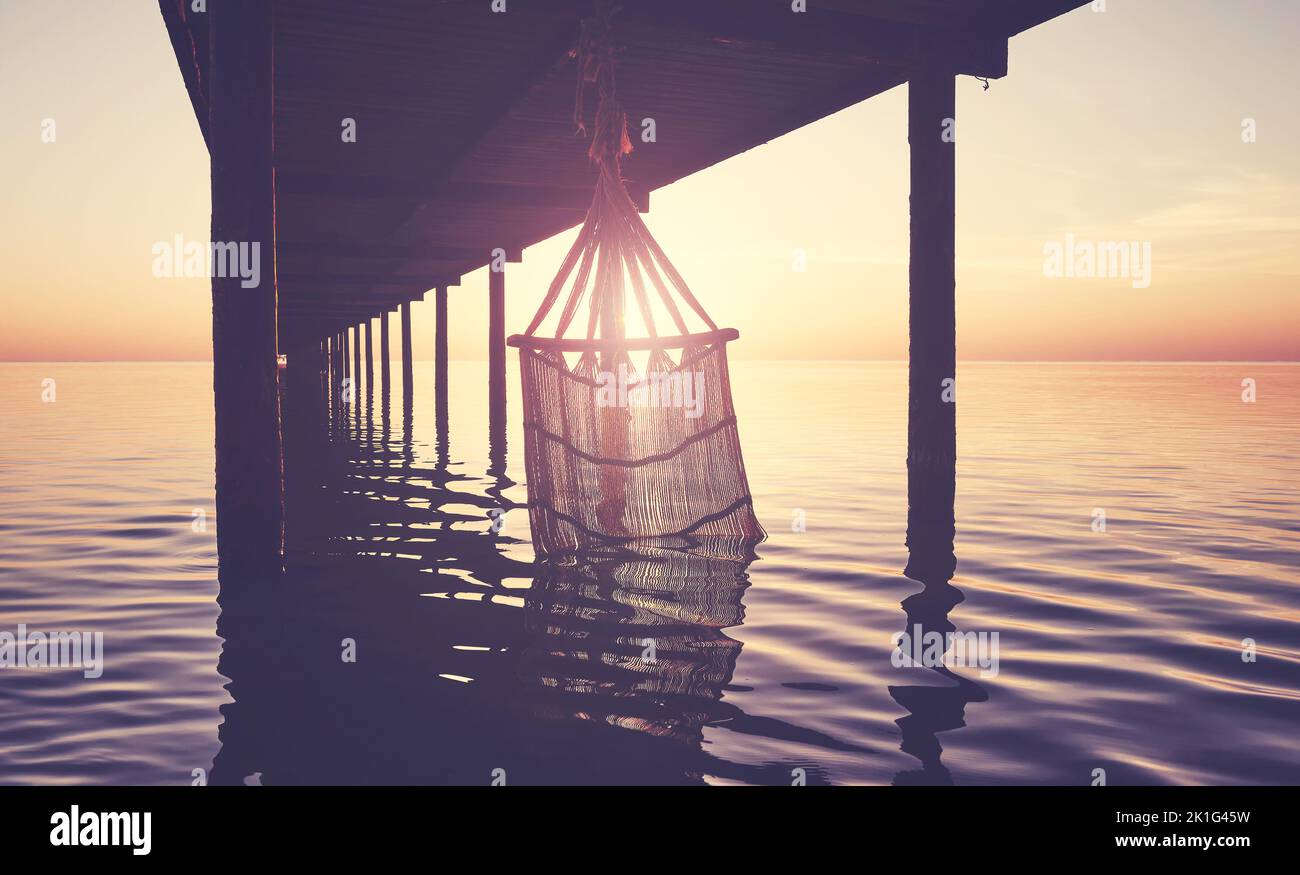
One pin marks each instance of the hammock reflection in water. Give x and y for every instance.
(634, 640)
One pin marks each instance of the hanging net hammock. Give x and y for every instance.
(629, 437)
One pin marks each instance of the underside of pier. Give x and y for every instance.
(380, 149)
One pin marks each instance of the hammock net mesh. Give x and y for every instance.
(628, 437)
(587, 625)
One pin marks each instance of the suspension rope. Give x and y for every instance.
(614, 243)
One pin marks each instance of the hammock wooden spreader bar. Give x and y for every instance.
(617, 452)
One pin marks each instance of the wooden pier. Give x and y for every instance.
(377, 151)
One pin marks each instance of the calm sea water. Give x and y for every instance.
(1119, 650)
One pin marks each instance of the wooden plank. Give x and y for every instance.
(380, 249)
(821, 33)
(372, 283)
(511, 196)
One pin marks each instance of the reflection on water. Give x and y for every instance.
(932, 709)
(503, 670)
(407, 545)
(634, 640)
(931, 561)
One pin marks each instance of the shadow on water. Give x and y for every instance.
(470, 666)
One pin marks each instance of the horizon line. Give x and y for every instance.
(768, 361)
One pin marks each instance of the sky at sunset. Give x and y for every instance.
(1123, 125)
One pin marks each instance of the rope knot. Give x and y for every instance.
(595, 53)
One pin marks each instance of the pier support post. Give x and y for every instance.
(330, 355)
(440, 366)
(323, 362)
(327, 390)
(340, 374)
(931, 398)
(332, 373)
(497, 357)
(370, 359)
(385, 376)
(408, 366)
(356, 362)
(339, 371)
(348, 388)
(245, 382)
(299, 378)
(339, 362)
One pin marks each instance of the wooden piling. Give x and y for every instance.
(384, 364)
(335, 376)
(325, 372)
(408, 367)
(328, 378)
(497, 356)
(249, 462)
(932, 419)
(440, 375)
(356, 362)
(323, 357)
(440, 347)
(370, 360)
(340, 374)
(338, 360)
